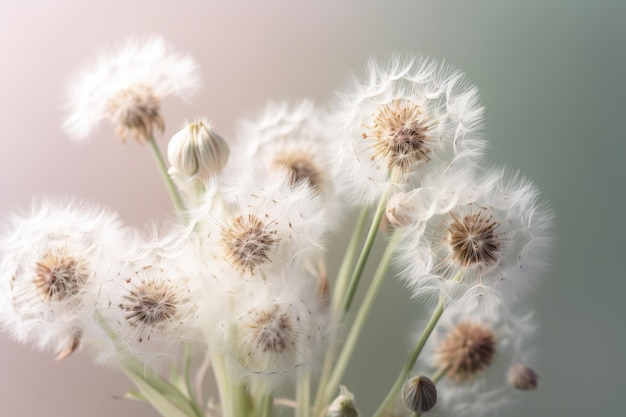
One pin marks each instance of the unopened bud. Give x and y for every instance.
(197, 151)
(420, 394)
(343, 405)
(523, 377)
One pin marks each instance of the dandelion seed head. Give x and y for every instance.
(468, 349)
(473, 239)
(399, 134)
(151, 303)
(272, 331)
(247, 242)
(135, 111)
(301, 167)
(59, 275)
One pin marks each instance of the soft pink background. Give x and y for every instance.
(550, 76)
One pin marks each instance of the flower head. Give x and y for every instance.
(471, 351)
(290, 140)
(492, 235)
(409, 118)
(146, 304)
(51, 258)
(127, 87)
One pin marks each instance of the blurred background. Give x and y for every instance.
(550, 75)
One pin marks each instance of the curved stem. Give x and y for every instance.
(365, 252)
(348, 259)
(360, 319)
(169, 184)
(410, 362)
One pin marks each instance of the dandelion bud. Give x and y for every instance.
(343, 405)
(523, 377)
(420, 394)
(196, 150)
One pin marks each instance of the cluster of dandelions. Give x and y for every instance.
(241, 279)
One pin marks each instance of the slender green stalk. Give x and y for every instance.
(267, 405)
(360, 319)
(223, 383)
(348, 259)
(365, 252)
(169, 184)
(440, 373)
(303, 395)
(338, 292)
(410, 362)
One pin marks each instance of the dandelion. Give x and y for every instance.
(467, 356)
(261, 232)
(147, 305)
(408, 118)
(128, 87)
(290, 140)
(51, 256)
(494, 234)
(278, 332)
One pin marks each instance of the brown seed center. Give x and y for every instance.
(301, 168)
(272, 331)
(135, 111)
(467, 349)
(247, 243)
(58, 275)
(399, 134)
(473, 239)
(151, 303)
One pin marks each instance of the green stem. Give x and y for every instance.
(408, 365)
(304, 395)
(169, 184)
(365, 252)
(348, 259)
(338, 293)
(440, 373)
(360, 319)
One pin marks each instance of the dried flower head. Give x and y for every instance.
(408, 118)
(492, 235)
(247, 242)
(127, 87)
(471, 349)
(50, 258)
(59, 275)
(399, 134)
(468, 349)
(150, 303)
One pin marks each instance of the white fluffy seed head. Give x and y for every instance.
(473, 350)
(51, 257)
(410, 117)
(128, 86)
(493, 237)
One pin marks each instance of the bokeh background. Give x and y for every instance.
(551, 76)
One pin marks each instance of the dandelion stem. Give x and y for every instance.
(410, 362)
(365, 252)
(360, 319)
(304, 395)
(169, 184)
(348, 259)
